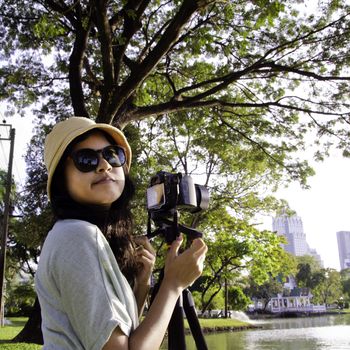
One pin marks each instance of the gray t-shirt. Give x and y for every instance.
(82, 293)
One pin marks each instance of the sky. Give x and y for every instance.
(324, 208)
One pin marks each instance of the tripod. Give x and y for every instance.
(185, 303)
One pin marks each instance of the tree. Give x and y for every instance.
(238, 248)
(20, 297)
(3, 176)
(243, 62)
(13, 193)
(345, 280)
(309, 273)
(330, 289)
(237, 299)
(325, 284)
(215, 303)
(264, 291)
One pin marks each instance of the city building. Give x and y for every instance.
(291, 227)
(292, 301)
(343, 238)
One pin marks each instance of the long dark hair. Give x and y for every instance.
(115, 222)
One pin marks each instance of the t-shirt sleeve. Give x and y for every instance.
(91, 289)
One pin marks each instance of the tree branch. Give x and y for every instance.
(105, 38)
(76, 61)
(120, 96)
(139, 113)
(132, 14)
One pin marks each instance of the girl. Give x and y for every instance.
(93, 277)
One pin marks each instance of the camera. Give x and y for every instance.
(169, 191)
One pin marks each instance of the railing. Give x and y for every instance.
(307, 308)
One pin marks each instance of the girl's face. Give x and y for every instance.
(102, 186)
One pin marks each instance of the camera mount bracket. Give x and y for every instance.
(185, 304)
(171, 229)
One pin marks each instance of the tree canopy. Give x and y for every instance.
(262, 68)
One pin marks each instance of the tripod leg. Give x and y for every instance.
(192, 319)
(176, 328)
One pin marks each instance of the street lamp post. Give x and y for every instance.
(5, 220)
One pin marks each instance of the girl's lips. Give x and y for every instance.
(103, 180)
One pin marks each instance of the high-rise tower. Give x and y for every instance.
(343, 238)
(292, 228)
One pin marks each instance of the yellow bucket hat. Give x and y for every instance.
(63, 133)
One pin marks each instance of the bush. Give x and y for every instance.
(20, 298)
(217, 302)
(237, 299)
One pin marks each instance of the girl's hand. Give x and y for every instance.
(182, 270)
(145, 257)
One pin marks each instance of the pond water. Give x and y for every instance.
(331, 332)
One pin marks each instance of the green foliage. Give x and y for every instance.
(237, 299)
(345, 280)
(309, 273)
(329, 290)
(209, 302)
(3, 187)
(313, 263)
(235, 247)
(20, 298)
(326, 285)
(3, 175)
(265, 291)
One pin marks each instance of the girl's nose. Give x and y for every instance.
(103, 165)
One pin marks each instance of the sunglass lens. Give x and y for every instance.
(86, 160)
(114, 155)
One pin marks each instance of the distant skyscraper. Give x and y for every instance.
(292, 228)
(343, 238)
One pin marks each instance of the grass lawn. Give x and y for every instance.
(215, 323)
(10, 331)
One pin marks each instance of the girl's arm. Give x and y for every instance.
(145, 255)
(180, 271)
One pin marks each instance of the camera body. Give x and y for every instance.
(168, 192)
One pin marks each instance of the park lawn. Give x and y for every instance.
(215, 323)
(10, 331)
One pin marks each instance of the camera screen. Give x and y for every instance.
(155, 196)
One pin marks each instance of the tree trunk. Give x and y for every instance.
(266, 303)
(226, 299)
(31, 333)
(204, 308)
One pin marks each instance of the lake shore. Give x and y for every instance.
(268, 315)
(214, 325)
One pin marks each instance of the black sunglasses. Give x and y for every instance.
(87, 159)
